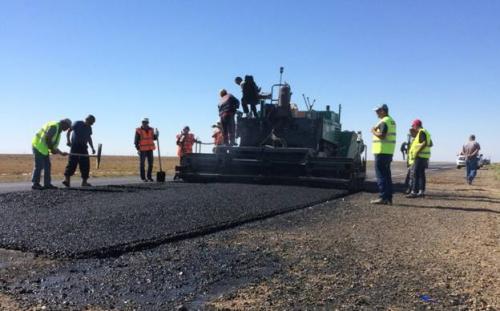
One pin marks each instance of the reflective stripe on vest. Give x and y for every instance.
(39, 141)
(186, 146)
(387, 145)
(425, 153)
(146, 139)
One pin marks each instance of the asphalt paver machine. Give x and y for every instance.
(284, 145)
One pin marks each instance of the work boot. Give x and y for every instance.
(86, 184)
(66, 183)
(49, 187)
(412, 195)
(421, 194)
(379, 201)
(36, 186)
(150, 179)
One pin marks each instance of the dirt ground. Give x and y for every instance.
(437, 253)
(441, 252)
(19, 167)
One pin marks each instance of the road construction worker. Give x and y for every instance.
(78, 137)
(250, 95)
(217, 135)
(383, 146)
(471, 152)
(185, 142)
(419, 155)
(45, 142)
(145, 144)
(409, 161)
(228, 105)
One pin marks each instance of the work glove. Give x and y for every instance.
(93, 151)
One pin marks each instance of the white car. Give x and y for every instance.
(460, 161)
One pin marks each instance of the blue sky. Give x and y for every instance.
(122, 60)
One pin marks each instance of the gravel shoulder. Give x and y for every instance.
(438, 253)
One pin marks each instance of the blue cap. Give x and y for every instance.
(381, 107)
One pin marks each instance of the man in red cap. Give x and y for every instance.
(419, 155)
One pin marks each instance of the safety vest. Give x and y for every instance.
(146, 139)
(39, 141)
(218, 137)
(425, 153)
(186, 146)
(386, 145)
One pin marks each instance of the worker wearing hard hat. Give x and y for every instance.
(185, 142)
(419, 155)
(79, 137)
(144, 142)
(383, 146)
(45, 142)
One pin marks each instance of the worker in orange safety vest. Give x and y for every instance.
(185, 142)
(144, 141)
(217, 135)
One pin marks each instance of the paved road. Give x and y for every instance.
(397, 172)
(103, 181)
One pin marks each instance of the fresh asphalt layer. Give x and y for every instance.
(111, 220)
(106, 221)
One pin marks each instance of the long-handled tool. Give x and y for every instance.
(160, 176)
(97, 156)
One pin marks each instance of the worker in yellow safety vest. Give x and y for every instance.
(419, 155)
(383, 146)
(46, 142)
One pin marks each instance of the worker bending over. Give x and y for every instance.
(45, 142)
(79, 136)
(185, 142)
(419, 155)
(383, 145)
(144, 142)
(250, 95)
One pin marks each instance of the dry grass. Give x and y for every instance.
(19, 167)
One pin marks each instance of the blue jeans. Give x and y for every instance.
(42, 162)
(418, 171)
(471, 169)
(384, 177)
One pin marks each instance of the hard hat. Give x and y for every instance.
(381, 107)
(416, 123)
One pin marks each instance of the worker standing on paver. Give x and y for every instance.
(45, 142)
(471, 150)
(144, 142)
(420, 153)
(228, 105)
(383, 146)
(250, 95)
(79, 136)
(185, 142)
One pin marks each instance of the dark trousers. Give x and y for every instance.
(228, 129)
(384, 177)
(409, 178)
(471, 169)
(42, 163)
(418, 174)
(253, 106)
(80, 161)
(143, 156)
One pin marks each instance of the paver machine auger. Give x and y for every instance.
(286, 146)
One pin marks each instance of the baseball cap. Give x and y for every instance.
(381, 107)
(145, 120)
(416, 123)
(67, 121)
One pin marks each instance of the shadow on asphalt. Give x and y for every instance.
(463, 209)
(463, 198)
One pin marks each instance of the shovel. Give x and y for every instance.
(160, 176)
(97, 156)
